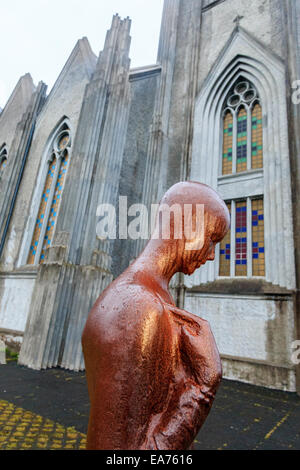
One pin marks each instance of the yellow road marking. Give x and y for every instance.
(277, 425)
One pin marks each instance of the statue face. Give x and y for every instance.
(205, 246)
(192, 260)
(199, 216)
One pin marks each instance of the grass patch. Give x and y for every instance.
(11, 355)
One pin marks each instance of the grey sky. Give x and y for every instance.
(37, 36)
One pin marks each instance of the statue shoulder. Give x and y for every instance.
(135, 298)
(187, 318)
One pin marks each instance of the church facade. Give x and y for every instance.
(220, 107)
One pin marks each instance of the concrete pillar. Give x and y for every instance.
(292, 12)
(170, 143)
(77, 266)
(2, 352)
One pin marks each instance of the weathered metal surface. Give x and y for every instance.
(153, 369)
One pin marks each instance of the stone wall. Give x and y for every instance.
(251, 330)
(143, 84)
(263, 19)
(17, 279)
(254, 333)
(64, 100)
(14, 109)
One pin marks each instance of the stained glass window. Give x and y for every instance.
(3, 158)
(242, 251)
(63, 141)
(256, 144)
(248, 240)
(258, 244)
(225, 252)
(227, 144)
(51, 197)
(241, 151)
(42, 212)
(241, 239)
(242, 147)
(3, 164)
(54, 206)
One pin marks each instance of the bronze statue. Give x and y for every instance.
(153, 369)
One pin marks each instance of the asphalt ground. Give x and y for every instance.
(49, 409)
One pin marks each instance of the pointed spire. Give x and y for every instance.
(21, 95)
(115, 54)
(81, 52)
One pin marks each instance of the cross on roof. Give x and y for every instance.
(237, 20)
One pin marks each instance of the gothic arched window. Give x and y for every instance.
(3, 157)
(51, 195)
(242, 251)
(242, 130)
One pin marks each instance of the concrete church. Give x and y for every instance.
(217, 107)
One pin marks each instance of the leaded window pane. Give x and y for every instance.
(227, 144)
(257, 136)
(42, 210)
(241, 238)
(258, 243)
(55, 206)
(51, 197)
(225, 253)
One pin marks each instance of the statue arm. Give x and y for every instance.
(196, 383)
(191, 405)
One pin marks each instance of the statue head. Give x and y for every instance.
(191, 220)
